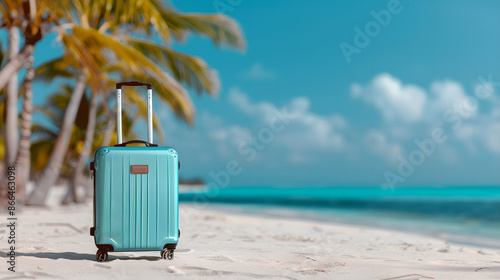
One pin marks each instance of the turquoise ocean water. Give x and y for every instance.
(458, 214)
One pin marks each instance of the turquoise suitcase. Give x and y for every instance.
(135, 194)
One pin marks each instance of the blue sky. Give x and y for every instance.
(355, 122)
(438, 48)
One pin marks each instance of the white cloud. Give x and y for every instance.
(241, 101)
(492, 138)
(480, 131)
(307, 131)
(228, 138)
(396, 102)
(475, 131)
(446, 94)
(466, 132)
(258, 72)
(408, 103)
(409, 112)
(378, 144)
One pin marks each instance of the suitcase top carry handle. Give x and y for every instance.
(119, 108)
(132, 84)
(136, 142)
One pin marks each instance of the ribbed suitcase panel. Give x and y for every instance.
(136, 211)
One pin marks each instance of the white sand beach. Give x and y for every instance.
(54, 243)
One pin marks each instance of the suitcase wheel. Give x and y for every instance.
(167, 254)
(101, 255)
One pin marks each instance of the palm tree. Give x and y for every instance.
(99, 32)
(33, 18)
(53, 168)
(68, 67)
(45, 134)
(65, 67)
(10, 111)
(71, 194)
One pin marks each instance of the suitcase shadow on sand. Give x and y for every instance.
(81, 256)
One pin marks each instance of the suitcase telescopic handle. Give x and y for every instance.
(119, 108)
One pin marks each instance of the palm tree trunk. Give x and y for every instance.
(110, 128)
(72, 195)
(11, 114)
(11, 117)
(52, 170)
(106, 141)
(23, 160)
(15, 64)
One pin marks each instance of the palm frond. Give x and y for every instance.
(162, 91)
(57, 68)
(56, 104)
(39, 14)
(87, 57)
(53, 114)
(142, 110)
(8, 8)
(60, 9)
(165, 21)
(40, 153)
(44, 132)
(222, 30)
(191, 70)
(139, 64)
